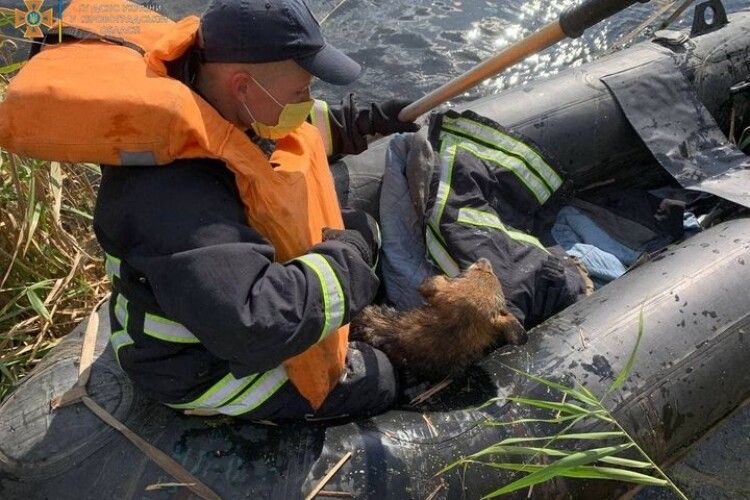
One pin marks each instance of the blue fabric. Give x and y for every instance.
(691, 224)
(404, 255)
(604, 257)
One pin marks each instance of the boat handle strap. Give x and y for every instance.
(79, 394)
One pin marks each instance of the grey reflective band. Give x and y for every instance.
(479, 218)
(120, 339)
(219, 394)
(112, 266)
(121, 311)
(167, 330)
(319, 118)
(258, 393)
(440, 255)
(137, 158)
(507, 162)
(507, 143)
(333, 296)
(155, 326)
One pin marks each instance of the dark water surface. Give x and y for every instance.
(409, 47)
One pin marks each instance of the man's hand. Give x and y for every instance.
(384, 118)
(351, 125)
(362, 232)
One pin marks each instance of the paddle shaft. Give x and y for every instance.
(572, 23)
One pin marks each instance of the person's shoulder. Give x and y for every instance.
(183, 171)
(167, 208)
(183, 186)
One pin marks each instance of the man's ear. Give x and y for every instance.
(431, 286)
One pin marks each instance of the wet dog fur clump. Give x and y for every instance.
(461, 319)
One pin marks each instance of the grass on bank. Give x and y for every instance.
(51, 270)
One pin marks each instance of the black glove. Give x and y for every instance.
(362, 232)
(350, 124)
(351, 238)
(364, 224)
(384, 118)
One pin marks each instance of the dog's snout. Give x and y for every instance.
(483, 265)
(516, 334)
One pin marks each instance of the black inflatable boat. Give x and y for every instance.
(690, 371)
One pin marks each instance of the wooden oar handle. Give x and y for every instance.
(540, 40)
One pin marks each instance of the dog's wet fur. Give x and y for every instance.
(461, 319)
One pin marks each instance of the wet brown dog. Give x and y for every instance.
(461, 319)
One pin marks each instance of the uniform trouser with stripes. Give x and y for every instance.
(367, 387)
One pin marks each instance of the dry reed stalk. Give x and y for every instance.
(51, 271)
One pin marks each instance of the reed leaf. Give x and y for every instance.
(520, 421)
(584, 436)
(80, 213)
(35, 286)
(513, 450)
(56, 189)
(556, 468)
(580, 395)
(744, 141)
(507, 451)
(567, 408)
(627, 462)
(585, 472)
(10, 68)
(628, 368)
(38, 305)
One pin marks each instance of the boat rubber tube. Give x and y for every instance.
(575, 118)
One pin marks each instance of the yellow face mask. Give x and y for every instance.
(292, 116)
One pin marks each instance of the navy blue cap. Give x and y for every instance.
(261, 31)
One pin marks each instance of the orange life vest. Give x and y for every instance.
(101, 102)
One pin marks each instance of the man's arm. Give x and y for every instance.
(182, 227)
(346, 127)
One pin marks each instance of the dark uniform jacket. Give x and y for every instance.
(486, 191)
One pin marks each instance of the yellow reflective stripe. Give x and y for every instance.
(120, 339)
(219, 394)
(507, 162)
(440, 255)
(112, 266)
(319, 118)
(167, 330)
(257, 394)
(433, 238)
(447, 159)
(507, 143)
(476, 217)
(333, 295)
(121, 311)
